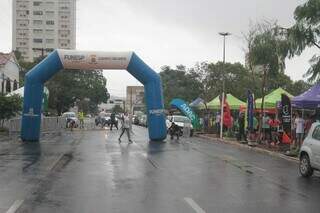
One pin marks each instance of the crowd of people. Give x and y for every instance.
(271, 131)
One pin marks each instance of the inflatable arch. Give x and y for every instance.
(71, 59)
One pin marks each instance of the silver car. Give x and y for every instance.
(309, 154)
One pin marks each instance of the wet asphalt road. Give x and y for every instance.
(90, 172)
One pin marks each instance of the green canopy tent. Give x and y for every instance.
(270, 100)
(233, 102)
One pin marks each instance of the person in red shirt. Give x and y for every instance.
(274, 124)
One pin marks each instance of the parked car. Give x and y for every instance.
(103, 119)
(143, 121)
(309, 154)
(135, 120)
(181, 121)
(70, 118)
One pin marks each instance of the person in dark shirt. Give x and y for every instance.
(241, 123)
(174, 130)
(113, 121)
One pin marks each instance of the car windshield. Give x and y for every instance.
(181, 119)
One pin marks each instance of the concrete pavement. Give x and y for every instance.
(90, 171)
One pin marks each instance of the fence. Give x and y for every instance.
(48, 125)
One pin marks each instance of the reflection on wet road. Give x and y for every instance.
(92, 172)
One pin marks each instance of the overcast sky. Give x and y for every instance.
(169, 32)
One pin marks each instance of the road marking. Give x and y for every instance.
(194, 205)
(50, 168)
(15, 206)
(258, 168)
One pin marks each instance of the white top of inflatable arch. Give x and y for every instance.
(73, 59)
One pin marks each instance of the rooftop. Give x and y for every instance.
(4, 58)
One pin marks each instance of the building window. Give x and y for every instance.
(50, 13)
(49, 41)
(37, 22)
(49, 32)
(64, 8)
(50, 22)
(37, 3)
(37, 31)
(15, 85)
(37, 13)
(8, 85)
(50, 4)
(37, 40)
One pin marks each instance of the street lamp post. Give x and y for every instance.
(224, 34)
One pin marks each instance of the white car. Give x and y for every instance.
(181, 121)
(309, 154)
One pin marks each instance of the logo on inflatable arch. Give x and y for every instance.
(186, 110)
(89, 60)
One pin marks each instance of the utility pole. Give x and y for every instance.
(224, 34)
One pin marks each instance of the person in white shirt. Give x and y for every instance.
(125, 127)
(299, 126)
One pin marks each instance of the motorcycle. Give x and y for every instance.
(175, 130)
(102, 121)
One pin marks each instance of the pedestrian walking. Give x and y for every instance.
(125, 127)
(113, 121)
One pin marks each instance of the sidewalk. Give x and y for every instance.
(258, 148)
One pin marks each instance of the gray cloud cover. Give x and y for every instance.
(169, 32)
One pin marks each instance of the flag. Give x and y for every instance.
(227, 118)
(286, 113)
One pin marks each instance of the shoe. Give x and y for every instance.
(119, 140)
(130, 141)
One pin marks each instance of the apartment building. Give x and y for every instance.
(40, 26)
(135, 98)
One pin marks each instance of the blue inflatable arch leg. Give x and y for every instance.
(67, 59)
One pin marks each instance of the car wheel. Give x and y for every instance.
(305, 166)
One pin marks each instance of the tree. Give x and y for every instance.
(9, 107)
(306, 33)
(298, 87)
(237, 79)
(117, 109)
(267, 49)
(25, 66)
(178, 83)
(71, 86)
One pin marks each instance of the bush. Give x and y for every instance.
(9, 107)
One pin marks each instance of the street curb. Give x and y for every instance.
(256, 149)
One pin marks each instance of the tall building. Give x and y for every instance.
(135, 98)
(40, 26)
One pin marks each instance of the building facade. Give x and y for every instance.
(111, 103)
(40, 26)
(9, 73)
(135, 98)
